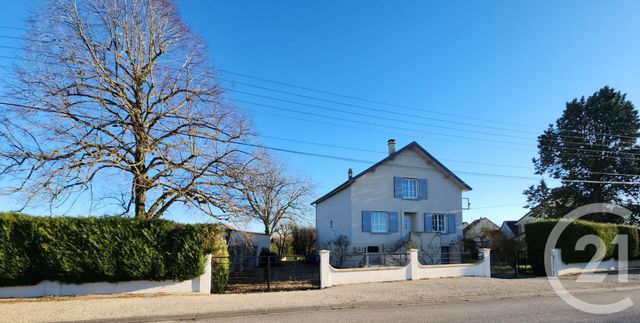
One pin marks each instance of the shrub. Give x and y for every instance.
(470, 251)
(16, 239)
(78, 250)
(538, 232)
(217, 247)
(633, 241)
(304, 240)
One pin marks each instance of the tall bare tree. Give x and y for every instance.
(119, 89)
(282, 237)
(270, 194)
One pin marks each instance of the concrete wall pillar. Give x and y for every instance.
(325, 269)
(204, 281)
(556, 262)
(486, 261)
(413, 264)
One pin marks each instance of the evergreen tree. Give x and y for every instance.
(593, 151)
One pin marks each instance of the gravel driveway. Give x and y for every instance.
(148, 307)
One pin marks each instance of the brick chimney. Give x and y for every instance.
(392, 146)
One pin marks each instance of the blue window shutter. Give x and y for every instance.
(422, 187)
(393, 222)
(366, 221)
(451, 223)
(397, 187)
(428, 222)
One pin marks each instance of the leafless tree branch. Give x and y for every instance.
(121, 89)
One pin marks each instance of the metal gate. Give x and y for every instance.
(513, 264)
(271, 273)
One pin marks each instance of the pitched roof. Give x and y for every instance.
(475, 222)
(513, 227)
(413, 144)
(228, 226)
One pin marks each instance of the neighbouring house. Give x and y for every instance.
(515, 229)
(409, 195)
(464, 224)
(510, 229)
(481, 232)
(244, 247)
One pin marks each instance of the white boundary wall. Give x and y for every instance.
(559, 268)
(330, 276)
(201, 284)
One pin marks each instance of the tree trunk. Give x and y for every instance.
(140, 197)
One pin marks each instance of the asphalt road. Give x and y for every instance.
(528, 309)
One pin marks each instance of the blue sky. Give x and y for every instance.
(512, 62)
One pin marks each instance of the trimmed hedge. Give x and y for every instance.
(538, 232)
(93, 249)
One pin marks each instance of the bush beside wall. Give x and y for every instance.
(93, 249)
(217, 247)
(538, 232)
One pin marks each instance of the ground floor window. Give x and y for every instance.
(373, 249)
(439, 222)
(379, 222)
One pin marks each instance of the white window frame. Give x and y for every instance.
(439, 222)
(409, 188)
(379, 222)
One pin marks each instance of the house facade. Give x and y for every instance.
(244, 247)
(515, 230)
(481, 231)
(409, 195)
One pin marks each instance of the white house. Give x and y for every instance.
(244, 247)
(481, 232)
(407, 195)
(515, 229)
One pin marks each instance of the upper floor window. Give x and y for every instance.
(439, 222)
(379, 222)
(409, 188)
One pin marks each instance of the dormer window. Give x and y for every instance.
(409, 188)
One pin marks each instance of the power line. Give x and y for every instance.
(354, 159)
(581, 150)
(497, 206)
(395, 105)
(578, 150)
(369, 100)
(12, 27)
(594, 152)
(443, 159)
(366, 107)
(397, 120)
(599, 182)
(374, 109)
(383, 152)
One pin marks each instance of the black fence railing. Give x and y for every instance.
(271, 273)
(362, 260)
(511, 264)
(448, 258)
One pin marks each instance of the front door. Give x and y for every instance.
(406, 226)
